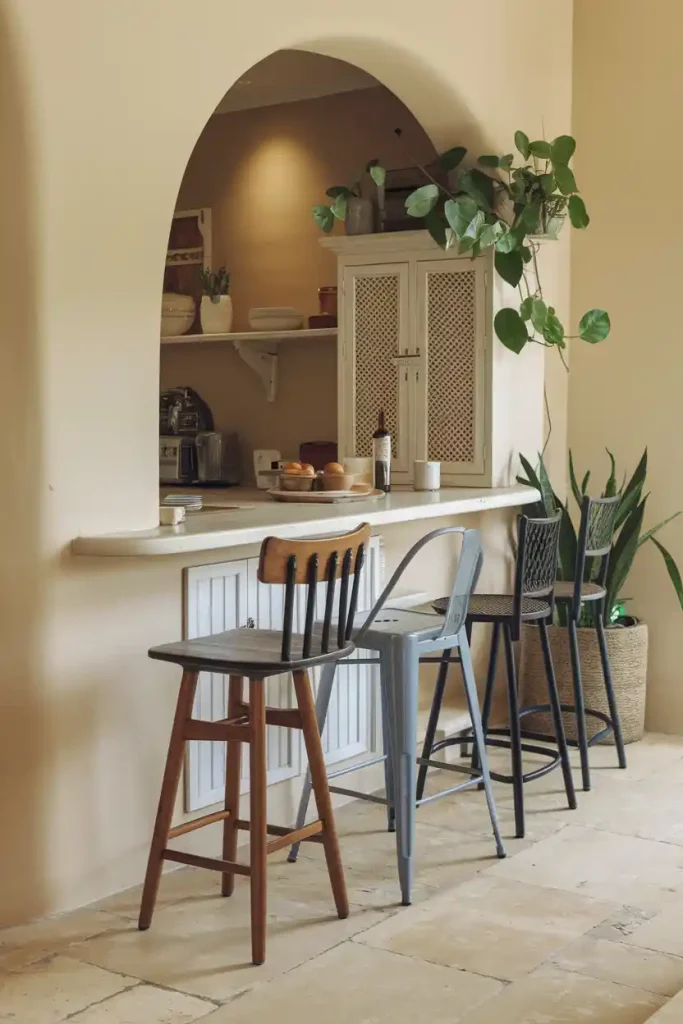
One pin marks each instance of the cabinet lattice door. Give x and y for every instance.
(450, 400)
(375, 317)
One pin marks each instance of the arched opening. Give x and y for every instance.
(291, 127)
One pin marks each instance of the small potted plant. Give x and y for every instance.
(350, 206)
(627, 637)
(216, 308)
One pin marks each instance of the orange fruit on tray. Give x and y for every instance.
(293, 468)
(307, 469)
(334, 468)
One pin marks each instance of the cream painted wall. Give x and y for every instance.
(260, 171)
(626, 393)
(99, 113)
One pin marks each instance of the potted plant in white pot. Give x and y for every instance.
(215, 311)
(627, 637)
(350, 206)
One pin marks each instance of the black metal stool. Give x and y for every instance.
(531, 601)
(598, 522)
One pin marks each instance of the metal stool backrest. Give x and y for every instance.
(466, 576)
(596, 530)
(536, 567)
(311, 562)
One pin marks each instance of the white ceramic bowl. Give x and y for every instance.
(174, 324)
(261, 311)
(173, 302)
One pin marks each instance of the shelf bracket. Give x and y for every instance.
(261, 357)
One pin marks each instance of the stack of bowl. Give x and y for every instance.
(275, 318)
(177, 314)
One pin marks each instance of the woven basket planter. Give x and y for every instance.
(627, 650)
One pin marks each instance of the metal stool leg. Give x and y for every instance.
(490, 685)
(479, 740)
(403, 704)
(609, 685)
(580, 711)
(384, 696)
(557, 716)
(515, 733)
(322, 704)
(433, 722)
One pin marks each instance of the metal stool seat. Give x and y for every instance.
(483, 607)
(403, 638)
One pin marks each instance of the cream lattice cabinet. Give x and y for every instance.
(415, 339)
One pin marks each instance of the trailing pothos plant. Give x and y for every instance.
(628, 537)
(325, 214)
(508, 207)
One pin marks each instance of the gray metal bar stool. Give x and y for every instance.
(402, 638)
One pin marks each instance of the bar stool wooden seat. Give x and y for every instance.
(254, 655)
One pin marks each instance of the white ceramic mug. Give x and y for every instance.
(426, 475)
(360, 468)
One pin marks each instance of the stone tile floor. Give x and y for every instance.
(582, 922)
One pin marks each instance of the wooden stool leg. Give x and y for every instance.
(258, 814)
(233, 763)
(316, 765)
(169, 790)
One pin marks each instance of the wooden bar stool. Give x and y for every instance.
(256, 654)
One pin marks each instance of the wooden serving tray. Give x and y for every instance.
(325, 497)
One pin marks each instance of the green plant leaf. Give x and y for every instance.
(576, 491)
(466, 245)
(630, 495)
(541, 149)
(530, 216)
(475, 226)
(547, 492)
(452, 157)
(323, 217)
(511, 329)
(584, 482)
(594, 326)
(510, 266)
(422, 200)
(611, 485)
(547, 183)
(505, 162)
(527, 254)
(655, 529)
(491, 233)
(436, 227)
(522, 144)
(489, 161)
(568, 545)
(578, 213)
(460, 213)
(478, 185)
(509, 240)
(338, 190)
(539, 315)
(564, 176)
(553, 331)
(562, 149)
(532, 477)
(378, 175)
(339, 207)
(623, 552)
(525, 308)
(674, 574)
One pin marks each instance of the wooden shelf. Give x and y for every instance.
(274, 337)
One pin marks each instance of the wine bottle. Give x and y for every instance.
(381, 455)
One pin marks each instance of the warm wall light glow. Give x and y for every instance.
(279, 167)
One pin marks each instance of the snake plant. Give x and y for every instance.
(628, 539)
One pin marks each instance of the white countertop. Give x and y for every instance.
(259, 516)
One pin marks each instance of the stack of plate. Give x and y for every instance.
(190, 502)
(275, 318)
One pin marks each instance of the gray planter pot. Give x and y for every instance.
(627, 650)
(360, 217)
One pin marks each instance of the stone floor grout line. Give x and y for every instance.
(436, 963)
(624, 984)
(98, 1002)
